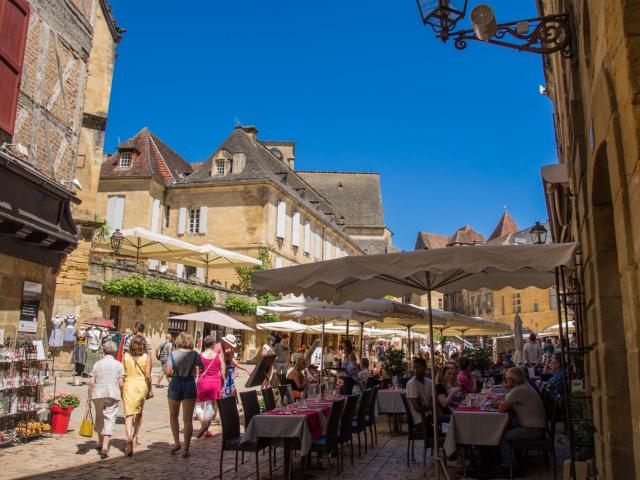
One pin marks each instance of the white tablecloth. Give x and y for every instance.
(475, 428)
(390, 401)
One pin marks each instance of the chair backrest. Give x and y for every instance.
(269, 399)
(363, 409)
(372, 382)
(553, 418)
(372, 403)
(347, 386)
(229, 417)
(410, 422)
(346, 425)
(284, 394)
(386, 382)
(250, 405)
(334, 423)
(404, 381)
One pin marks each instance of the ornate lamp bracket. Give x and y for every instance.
(542, 35)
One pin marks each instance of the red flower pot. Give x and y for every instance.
(60, 419)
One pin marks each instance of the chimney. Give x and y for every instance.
(251, 130)
(291, 162)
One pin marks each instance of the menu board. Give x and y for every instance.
(31, 295)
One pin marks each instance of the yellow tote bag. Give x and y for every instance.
(86, 427)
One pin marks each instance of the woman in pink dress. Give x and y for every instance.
(209, 384)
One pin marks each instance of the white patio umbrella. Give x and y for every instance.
(213, 317)
(210, 256)
(420, 272)
(553, 329)
(288, 326)
(139, 242)
(481, 326)
(518, 338)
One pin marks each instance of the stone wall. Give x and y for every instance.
(597, 120)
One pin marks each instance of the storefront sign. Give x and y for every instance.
(31, 295)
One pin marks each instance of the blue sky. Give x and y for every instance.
(360, 86)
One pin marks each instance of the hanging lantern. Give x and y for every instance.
(442, 15)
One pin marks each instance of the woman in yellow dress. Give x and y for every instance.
(137, 377)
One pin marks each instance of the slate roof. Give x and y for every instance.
(151, 158)
(355, 196)
(427, 241)
(466, 236)
(506, 226)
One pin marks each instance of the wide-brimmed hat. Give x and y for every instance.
(230, 339)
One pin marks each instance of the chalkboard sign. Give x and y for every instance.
(31, 295)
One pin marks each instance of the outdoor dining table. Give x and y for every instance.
(302, 422)
(390, 403)
(474, 426)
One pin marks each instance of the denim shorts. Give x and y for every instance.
(182, 388)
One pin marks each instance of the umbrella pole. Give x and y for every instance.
(361, 339)
(409, 341)
(435, 453)
(322, 363)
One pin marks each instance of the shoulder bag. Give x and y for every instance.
(146, 379)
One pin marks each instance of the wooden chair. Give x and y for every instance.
(346, 426)
(371, 417)
(231, 438)
(269, 399)
(286, 394)
(327, 445)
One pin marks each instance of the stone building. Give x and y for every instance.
(46, 48)
(537, 307)
(245, 196)
(593, 197)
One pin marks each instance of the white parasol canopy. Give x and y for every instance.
(441, 269)
(555, 330)
(481, 327)
(139, 242)
(288, 326)
(213, 317)
(210, 256)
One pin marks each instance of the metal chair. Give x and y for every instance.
(269, 399)
(231, 438)
(425, 434)
(371, 417)
(327, 445)
(359, 424)
(346, 426)
(286, 394)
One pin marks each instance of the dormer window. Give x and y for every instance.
(277, 153)
(220, 167)
(125, 160)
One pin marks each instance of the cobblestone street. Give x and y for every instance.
(71, 456)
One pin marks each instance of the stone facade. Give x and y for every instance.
(58, 69)
(597, 121)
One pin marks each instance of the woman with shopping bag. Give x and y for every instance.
(105, 386)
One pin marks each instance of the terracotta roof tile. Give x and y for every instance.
(427, 241)
(505, 226)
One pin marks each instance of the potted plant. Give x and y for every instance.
(61, 405)
(394, 363)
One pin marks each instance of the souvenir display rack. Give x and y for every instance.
(22, 381)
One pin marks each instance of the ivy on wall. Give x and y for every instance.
(245, 307)
(159, 290)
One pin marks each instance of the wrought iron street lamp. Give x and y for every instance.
(116, 240)
(544, 35)
(442, 15)
(538, 234)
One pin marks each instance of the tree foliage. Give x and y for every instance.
(244, 273)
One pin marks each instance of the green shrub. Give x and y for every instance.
(394, 362)
(164, 290)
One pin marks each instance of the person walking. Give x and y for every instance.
(532, 352)
(183, 366)
(229, 344)
(209, 384)
(105, 387)
(282, 357)
(136, 387)
(162, 354)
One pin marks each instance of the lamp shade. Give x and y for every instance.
(538, 234)
(442, 15)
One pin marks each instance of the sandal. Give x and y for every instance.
(202, 431)
(103, 455)
(176, 448)
(186, 454)
(129, 448)
(208, 435)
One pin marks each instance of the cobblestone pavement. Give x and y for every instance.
(71, 456)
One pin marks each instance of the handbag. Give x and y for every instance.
(86, 427)
(146, 379)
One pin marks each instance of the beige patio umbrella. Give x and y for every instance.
(209, 256)
(288, 326)
(423, 271)
(213, 317)
(481, 327)
(139, 242)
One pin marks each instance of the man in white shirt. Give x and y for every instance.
(419, 393)
(532, 352)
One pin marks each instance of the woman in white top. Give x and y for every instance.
(107, 377)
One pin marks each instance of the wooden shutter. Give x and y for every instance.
(279, 262)
(295, 229)
(203, 220)
(14, 24)
(328, 249)
(338, 250)
(307, 236)
(182, 220)
(111, 211)
(180, 270)
(155, 215)
(119, 214)
(281, 220)
(318, 241)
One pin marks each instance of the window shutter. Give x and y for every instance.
(318, 240)
(182, 220)
(338, 250)
(119, 213)
(111, 212)
(203, 220)
(328, 252)
(155, 215)
(180, 270)
(200, 273)
(279, 262)
(14, 23)
(295, 229)
(307, 236)
(281, 221)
